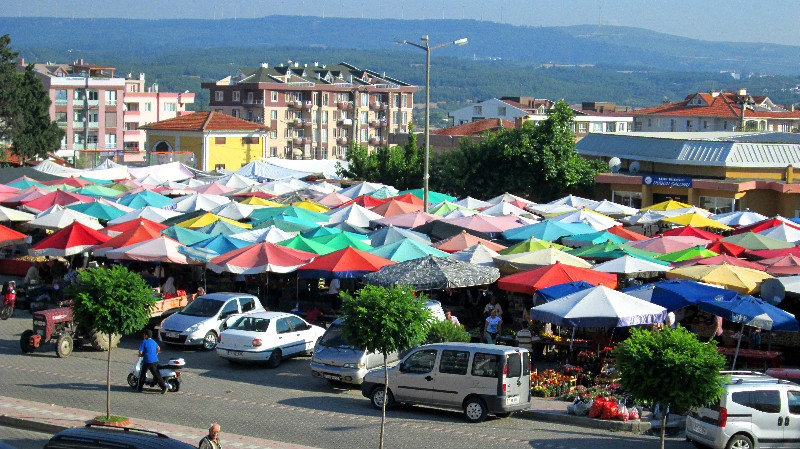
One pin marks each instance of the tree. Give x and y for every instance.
(446, 331)
(538, 161)
(111, 300)
(384, 320)
(24, 109)
(670, 367)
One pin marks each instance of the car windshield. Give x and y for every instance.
(333, 338)
(251, 324)
(204, 307)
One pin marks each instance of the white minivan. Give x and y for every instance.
(477, 378)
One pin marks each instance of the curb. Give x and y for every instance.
(27, 424)
(583, 421)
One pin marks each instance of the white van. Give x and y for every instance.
(478, 378)
(336, 360)
(754, 411)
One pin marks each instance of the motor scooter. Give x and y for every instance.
(9, 299)
(170, 372)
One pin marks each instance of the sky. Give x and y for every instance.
(773, 21)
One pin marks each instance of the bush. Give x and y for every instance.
(446, 331)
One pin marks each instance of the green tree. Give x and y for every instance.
(384, 320)
(111, 300)
(670, 367)
(446, 331)
(24, 109)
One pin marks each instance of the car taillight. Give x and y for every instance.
(723, 417)
(256, 342)
(219, 339)
(505, 388)
(505, 370)
(178, 374)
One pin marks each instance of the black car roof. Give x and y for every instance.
(114, 437)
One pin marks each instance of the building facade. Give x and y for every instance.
(316, 111)
(591, 122)
(143, 105)
(493, 108)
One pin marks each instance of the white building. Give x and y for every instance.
(492, 108)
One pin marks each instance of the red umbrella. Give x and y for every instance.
(528, 282)
(765, 224)
(718, 260)
(126, 238)
(133, 224)
(691, 231)
(365, 201)
(726, 248)
(345, 263)
(408, 198)
(59, 197)
(626, 233)
(9, 237)
(75, 238)
(789, 264)
(394, 207)
(770, 253)
(465, 240)
(71, 181)
(260, 258)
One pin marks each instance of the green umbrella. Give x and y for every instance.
(120, 187)
(530, 245)
(445, 207)
(292, 211)
(221, 227)
(611, 250)
(320, 231)
(686, 254)
(755, 242)
(383, 193)
(406, 249)
(144, 198)
(343, 240)
(185, 235)
(594, 238)
(98, 210)
(97, 190)
(284, 223)
(433, 197)
(308, 245)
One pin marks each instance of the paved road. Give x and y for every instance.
(285, 404)
(23, 439)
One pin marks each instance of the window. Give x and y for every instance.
(395, 117)
(249, 140)
(61, 117)
(61, 97)
(169, 107)
(288, 97)
(404, 118)
(630, 199)
(235, 112)
(111, 140)
(78, 94)
(231, 307)
(315, 135)
(236, 95)
(767, 401)
(219, 167)
(111, 97)
(514, 365)
(649, 122)
(396, 100)
(218, 95)
(420, 362)
(131, 126)
(486, 365)
(297, 324)
(688, 125)
(501, 110)
(250, 97)
(454, 362)
(325, 97)
(274, 134)
(794, 402)
(405, 101)
(282, 326)
(93, 95)
(273, 151)
(364, 116)
(219, 140)
(597, 127)
(611, 127)
(364, 99)
(274, 97)
(147, 106)
(364, 135)
(718, 205)
(250, 324)
(477, 110)
(324, 136)
(583, 127)
(324, 117)
(273, 114)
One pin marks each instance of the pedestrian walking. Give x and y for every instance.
(148, 351)
(492, 329)
(211, 441)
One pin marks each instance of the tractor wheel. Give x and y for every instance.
(99, 340)
(25, 342)
(64, 345)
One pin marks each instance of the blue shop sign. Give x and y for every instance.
(669, 181)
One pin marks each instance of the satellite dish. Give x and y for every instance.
(614, 164)
(634, 167)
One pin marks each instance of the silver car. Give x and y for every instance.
(755, 411)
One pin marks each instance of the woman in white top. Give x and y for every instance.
(492, 329)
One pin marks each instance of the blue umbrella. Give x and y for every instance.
(221, 244)
(677, 293)
(547, 230)
(561, 290)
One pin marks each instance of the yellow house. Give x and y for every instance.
(206, 141)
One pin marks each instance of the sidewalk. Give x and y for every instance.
(553, 410)
(53, 418)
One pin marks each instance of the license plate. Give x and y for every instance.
(332, 376)
(235, 353)
(697, 428)
(512, 400)
(171, 334)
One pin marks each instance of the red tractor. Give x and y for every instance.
(58, 326)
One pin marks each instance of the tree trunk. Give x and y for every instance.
(108, 379)
(663, 426)
(385, 397)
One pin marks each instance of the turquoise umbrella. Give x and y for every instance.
(285, 223)
(292, 211)
(320, 231)
(98, 210)
(221, 227)
(406, 249)
(547, 230)
(185, 235)
(97, 190)
(24, 184)
(343, 240)
(144, 198)
(433, 197)
(221, 244)
(391, 234)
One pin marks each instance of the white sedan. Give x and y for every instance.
(267, 337)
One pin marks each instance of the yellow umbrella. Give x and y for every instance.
(742, 280)
(312, 206)
(256, 201)
(667, 205)
(696, 220)
(207, 219)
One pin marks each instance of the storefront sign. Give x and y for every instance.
(669, 181)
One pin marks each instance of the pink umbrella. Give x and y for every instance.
(718, 260)
(161, 249)
(409, 220)
(484, 223)
(260, 258)
(333, 199)
(29, 194)
(214, 189)
(8, 189)
(789, 264)
(663, 245)
(59, 197)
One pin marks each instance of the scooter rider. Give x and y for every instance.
(148, 351)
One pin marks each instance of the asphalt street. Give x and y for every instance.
(23, 439)
(285, 404)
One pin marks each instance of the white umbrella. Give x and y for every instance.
(150, 180)
(541, 257)
(269, 234)
(353, 214)
(739, 218)
(324, 187)
(236, 181)
(644, 218)
(598, 222)
(574, 201)
(57, 217)
(549, 209)
(472, 203)
(599, 307)
(476, 255)
(507, 198)
(234, 211)
(285, 185)
(611, 208)
(197, 201)
(504, 208)
(459, 213)
(148, 212)
(631, 265)
(7, 214)
(782, 232)
(362, 188)
(115, 205)
(160, 249)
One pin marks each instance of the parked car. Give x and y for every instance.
(94, 436)
(337, 360)
(478, 378)
(755, 411)
(202, 321)
(267, 337)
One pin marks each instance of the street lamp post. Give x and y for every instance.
(428, 48)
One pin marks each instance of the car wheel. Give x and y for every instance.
(64, 346)
(173, 385)
(474, 409)
(274, 359)
(210, 341)
(133, 381)
(740, 442)
(377, 398)
(25, 342)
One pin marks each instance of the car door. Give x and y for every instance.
(791, 421)
(767, 419)
(284, 335)
(517, 378)
(301, 335)
(227, 313)
(416, 379)
(451, 376)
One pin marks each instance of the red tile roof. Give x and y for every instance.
(206, 121)
(475, 128)
(722, 105)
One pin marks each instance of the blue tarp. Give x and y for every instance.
(674, 294)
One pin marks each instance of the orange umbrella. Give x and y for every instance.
(626, 233)
(345, 263)
(394, 207)
(119, 228)
(528, 282)
(465, 240)
(10, 237)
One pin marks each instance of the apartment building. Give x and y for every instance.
(144, 104)
(316, 111)
(86, 102)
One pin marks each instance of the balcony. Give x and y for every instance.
(346, 122)
(94, 103)
(341, 141)
(78, 103)
(77, 146)
(374, 141)
(132, 132)
(345, 105)
(307, 105)
(375, 105)
(94, 125)
(295, 104)
(60, 102)
(91, 146)
(296, 122)
(253, 102)
(111, 102)
(375, 124)
(308, 123)
(297, 140)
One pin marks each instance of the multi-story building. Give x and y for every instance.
(316, 111)
(506, 108)
(86, 102)
(144, 105)
(718, 111)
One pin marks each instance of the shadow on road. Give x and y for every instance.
(80, 386)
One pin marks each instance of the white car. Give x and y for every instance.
(267, 337)
(201, 322)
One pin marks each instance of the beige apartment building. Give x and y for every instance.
(316, 111)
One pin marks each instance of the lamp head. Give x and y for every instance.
(424, 38)
(462, 41)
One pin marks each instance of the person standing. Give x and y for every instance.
(493, 305)
(211, 441)
(448, 315)
(524, 337)
(148, 351)
(492, 329)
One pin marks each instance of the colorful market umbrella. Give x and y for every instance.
(292, 211)
(58, 217)
(8, 214)
(782, 266)
(782, 232)
(486, 223)
(527, 282)
(464, 240)
(406, 249)
(742, 280)
(633, 266)
(611, 250)
(766, 224)
(257, 201)
(739, 218)
(433, 197)
(691, 231)
(73, 239)
(730, 249)
(686, 254)
(612, 209)
(344, 263)
(444, 208)
(221, 227)
(476, 255)
(343, 240)
(393, 207)
(362, 188)
(320, 231)
(561, 290)
(234, 211)
(646, 217)
(592, 238)
(197, 202)
(307, 245)
(59, 197)
(509, 198)
(514, 263)
(312, 206)
(720, 259)
(214, 188)
(599, 306)
(24, 195)
(531, 244)
(391, 234)
(269, 234)
(97, 210)
(22, 184)
(364, 201)
(128, 237)
(473, 203)
(574, 201)
(755, 242)
(260, 258)
(10, 237)
(221, 244)
(285, 223)
(597, 221)
(667, 205)
(347, 227)
(96, 190)
(384, 192)
(149, 213)
(160, 249)
(185, 236)
(71, 181)
(669, 244)
(333, 199)
(626, 233)
(697, 221)
(547, 230)
(354, 215)
(674, 294)
(770, 253)
(438, 230)
(409, 220)
(433, 273)
(144, 198)
(505, 209)
(209, 218)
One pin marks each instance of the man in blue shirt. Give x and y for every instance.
(148, 351)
